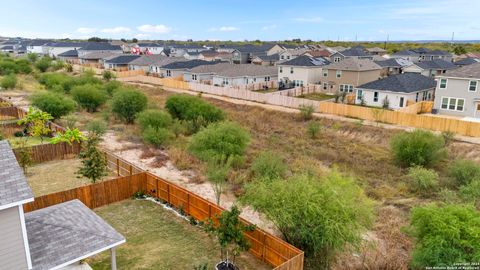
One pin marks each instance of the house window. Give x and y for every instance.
(267, 79)
(472, 87)
(346, 88)
(225, 81)
(288, 56)
(375, 96)
(298, 82)
(325, 86)
(443, 83)
(453, 104)
(291, 70)
(280, 69)
(416, 97)
(359, 94)
(336, 59)
(194, 77)
(282, 57)
(169, 73)
(339, 73)
(325, 72)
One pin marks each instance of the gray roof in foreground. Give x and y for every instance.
(67, 232)
(436, 64)
(13, 184)
(306, 61)
(405, 83)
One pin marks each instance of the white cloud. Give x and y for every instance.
(269, 27)
(159, 29)
(309, 19)
(86, 30)
(224, 29)
(116, 30)
(142, 35)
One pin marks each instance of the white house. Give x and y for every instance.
(396, 90)
(300, 71)
(243, 74)
(430, 68)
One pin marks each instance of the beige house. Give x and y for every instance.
(300, 71)
(343, 76)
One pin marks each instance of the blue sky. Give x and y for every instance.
(370, 20)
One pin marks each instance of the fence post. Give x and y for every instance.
(264, 249)
(188, 204)
(118, 167)
(168, 193)
(130, 170)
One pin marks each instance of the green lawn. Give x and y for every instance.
(159, 239)
(317, 96)
(15, 141)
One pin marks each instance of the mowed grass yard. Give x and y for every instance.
(58, 175)
(159, 239)
(317, 96)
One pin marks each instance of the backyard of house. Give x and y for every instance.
(159, 239)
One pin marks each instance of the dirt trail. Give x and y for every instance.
(132, 152)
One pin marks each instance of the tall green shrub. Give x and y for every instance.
(422, 181)
(127, 103)
(153, 118)
(445, 235)
(55, 104)
(9, 81)
(89, 96)
(464, 171)
(269, 165)
(422, 148)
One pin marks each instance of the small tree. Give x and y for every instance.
(230, 235)
(89, 96)
(36, 122)
(386, 103)
(9, 81)
(217, 173)
(94, 163)
(313, 128)
(57, 105)
(363, 102)
(126, 103)
(377, 114)
(24, 155)
(306, 112)
(69, 136)
(422, 148)
(108, 75)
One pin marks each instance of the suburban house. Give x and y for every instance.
(53, 49)
(158, 62)
(99, 47)
(458, 92)
(376, 51)
(343, 76)
(179, 50)
(466, 61)
(243, 74)
(300, 71)
(150, 48)
(245, 54)
(430, 68)
(396, 91)
(177, 68)
(35, 46)
(204, 73)
(292, 53)
(119, 63)
(96, 59)
(318, 53)
(422, 54)
(50, 238)
(70, 56)
(191, 55)
(144, 62)
(355, 52)
(211, 55)
(266, 60)
(392, 66)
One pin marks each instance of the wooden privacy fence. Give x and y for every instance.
(264, 246)
(418, 107)
(9, 129)
(9, 113)
(401, 118)
(48, 152)
(128, 73)
(94, 195)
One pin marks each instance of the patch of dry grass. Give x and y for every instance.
(58, 175)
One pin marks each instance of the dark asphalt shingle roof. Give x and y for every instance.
(469, 71)
(70, 53)
(392, 62)
(306, 61)
(188, 64)
(436, 64)
(122, 59)
(466, 61)
(405, 83)
(66, 232)
(354, 52)
(13, 184)
(101, 46)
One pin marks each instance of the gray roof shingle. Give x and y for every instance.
(469, 71)
(354, 64)
(14, 187)
(187, 64)
(67, 232)
(122, 59)
(70, 53)
(436, 64)
(405, 83)
(306, 61)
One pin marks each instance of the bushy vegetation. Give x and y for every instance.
(14, 66)
(43, 64)
(269, 165)
(422, 181)
(97, 126)
(319, 216)
(224, 139)
(445, 235)
(464, 171)
(156, 136)
(89, 96)
(62, 82)
(94, 162)
(153, 118)
(194, 109)
(422, 148)
(306, 112)
(55, 104)
(127, 103)
(9, 81)
(313, 128)
(111, 86)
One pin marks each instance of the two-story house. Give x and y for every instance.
(392, 66)
(300, 71)
(430, 68)
(50, 238)
(355, 52)
(396, 91)
(99, 47)
(422, 54)
(458, 92)
(343, 76)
